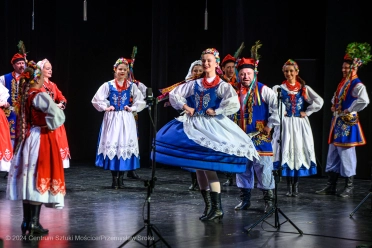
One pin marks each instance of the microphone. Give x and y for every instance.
(149, 97)
(279, 90)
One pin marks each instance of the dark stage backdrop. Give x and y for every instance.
(170, 35)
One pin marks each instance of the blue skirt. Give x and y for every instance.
(174, 148)
(302, 172)
(116, 164)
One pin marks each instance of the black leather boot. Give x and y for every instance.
(289, 186)
(35, 226)
(230, 180)
(348, 190)
(194, 182)
(132, 174)
(295, 187)
(115, 177)
(120, 180)
(245, 197)
(216, 212)
(268, 197)
(26, 218)
(331, 188)
(208, 203)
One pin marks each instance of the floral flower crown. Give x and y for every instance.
(120, 61)
(291, 62)
(213, 51)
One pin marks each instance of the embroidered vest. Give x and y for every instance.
(260, 116)
(203, 99)
(293, 108)
(119, 99)
(10, 114)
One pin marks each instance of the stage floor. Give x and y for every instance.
(97, 216)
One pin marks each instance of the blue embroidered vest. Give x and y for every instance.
(293, 108)
(203, 99)
(260, 116)
(346, 131)
(119, 99)
(10, 114)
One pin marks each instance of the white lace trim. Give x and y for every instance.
(121, 150)
(239, 145)
(298, 157)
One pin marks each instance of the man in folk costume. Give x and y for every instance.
(346, 132)
(11, 82)
(258, 114)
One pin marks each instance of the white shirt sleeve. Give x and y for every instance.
(270, 98)
(138, 99)
(2, 80)
(142, 88)
(4, 93)
(177, 97)
(99, 99)
(315, 101)
(362, 100)
(230, 101)
(55, 116)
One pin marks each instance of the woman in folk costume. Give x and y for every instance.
(36, 175)
(298, 154)
(204, 138)
(53, 91)
(118, 143)
(6, 149)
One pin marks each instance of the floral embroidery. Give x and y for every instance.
(65, 153)
(341, 129)
(197, 99)
(206, 100)
(261, 138)
(54, 187)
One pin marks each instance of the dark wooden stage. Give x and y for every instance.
(97, 216)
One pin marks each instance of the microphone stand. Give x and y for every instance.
(150, 184)
(277, 175)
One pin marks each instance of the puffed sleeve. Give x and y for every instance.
(138, 99)
(4, 93)
(99, 99)
(177, 97)
(362, 101)
(230, 101)
(315, 101)
(142, 88)
(55, 116)
(270, 98)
